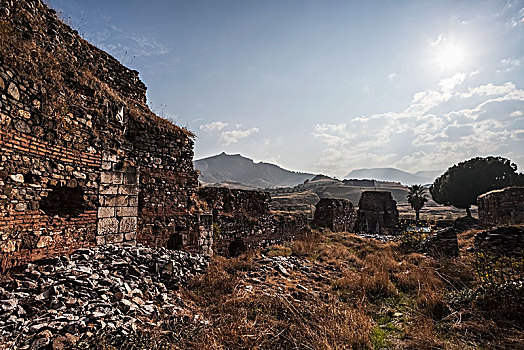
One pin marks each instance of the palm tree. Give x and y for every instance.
(417, 197)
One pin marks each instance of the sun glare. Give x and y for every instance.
(450, 57)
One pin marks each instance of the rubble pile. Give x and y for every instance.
(110, 287)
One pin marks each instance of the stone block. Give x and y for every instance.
(128, 224)
(106, 165)
(116, 201)
(130, 236)
(106, 212)
(128, 189)
(114, 238)
(109, 177)
(126, 211)
(107, 226)
(100, 240)
(13, 91)
(133, 201)
(44, 241)
(109, 157)
(108, 189)
(130, 179)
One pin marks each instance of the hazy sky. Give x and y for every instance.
(326, 86)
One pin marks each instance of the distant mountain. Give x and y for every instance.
(231, 168)
(395, 175)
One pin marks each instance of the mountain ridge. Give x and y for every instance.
(396, 175)
(237, 168)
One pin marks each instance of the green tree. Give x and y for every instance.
(461, 184)
(417, 196)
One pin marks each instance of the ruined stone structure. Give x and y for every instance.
(443, 243)
(502, 207)
(83, 159)
(242, 219)
(338, 215)
(377, 213)
(506, 240)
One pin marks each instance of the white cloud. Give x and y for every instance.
(392, 76)
(424, 101)
(509, 64)
(435, 131)
(489, 90)
(440, 37)
(218, 125)
(232, 136)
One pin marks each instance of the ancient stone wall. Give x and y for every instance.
(377, 213)
(338, 215)
(507, 240)
(84, 161)
(502, 207)
(168, 210)
(242, 218)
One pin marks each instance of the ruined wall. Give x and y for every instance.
(243, 218)
(507, 240)
(84, 161)
(338, 215)
(502, 207)
(377, 213)
(168, 211)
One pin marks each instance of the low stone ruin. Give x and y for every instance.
(443, 243)
(377, 213)
(502, 207)
(506, 240)
(337, 215)
(115, 288)
(242, 219)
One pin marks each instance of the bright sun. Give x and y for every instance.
(450, 57)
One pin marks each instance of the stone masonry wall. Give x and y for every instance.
(84, 161)
(377, 213)
(244, 216)
(338, 215)
(502, 207)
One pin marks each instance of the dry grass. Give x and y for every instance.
(372, 295)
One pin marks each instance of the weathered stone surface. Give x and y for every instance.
(507, 240)
(12, 90)
(108, 226)
(242, 219)
(17, 177)
(377, 213)
(128, 224)
(502, 207)
(338, 215)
